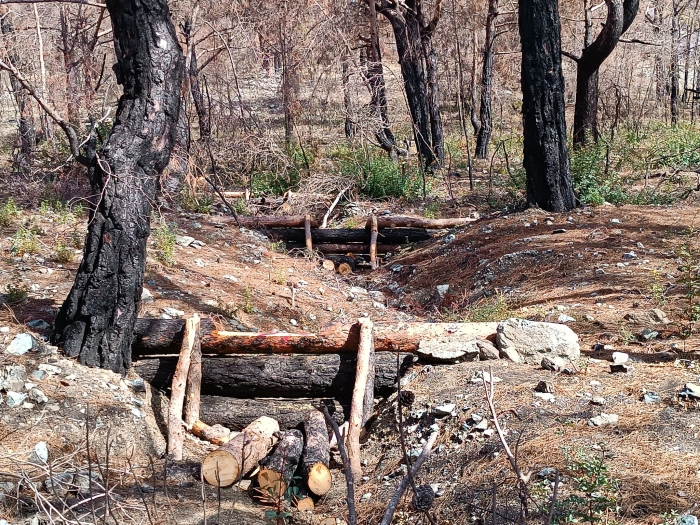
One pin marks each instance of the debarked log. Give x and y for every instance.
(164, 336)
(352, 247)
(236, 414)
(277, 375)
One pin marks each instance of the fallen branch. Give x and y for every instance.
(358, 412)
(406, 481)
(324, 223)
(347, 469)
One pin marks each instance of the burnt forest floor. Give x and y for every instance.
(527, 264)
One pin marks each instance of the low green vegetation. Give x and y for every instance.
(163, 242)
(16, 292)
(64, 254)
(8, 212)
(24, 242)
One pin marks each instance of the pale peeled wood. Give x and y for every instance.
(328, 265)
(227, 464)
(305, 504)
(176, 433)
(333, 521)
(216, 435)
(373, 241)
(193, 387)
(420, 222)
(357, 404)
(307, 233)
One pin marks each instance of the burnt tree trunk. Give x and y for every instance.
(96, 321)
(377, 87)
(350, 123)
(620, 17)
(675, 73)
(27, 131)
(431, 70)
(545, 155)
(483, 137)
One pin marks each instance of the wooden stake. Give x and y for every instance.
(307, 233)
(225, 465)
(176, 433)
(193, 387)
(357, 404)
(373, 241)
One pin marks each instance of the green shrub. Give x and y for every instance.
(190, 200)
(163, 240)
(8, 211)
(24, 241)
(16, 292)
(64, 254)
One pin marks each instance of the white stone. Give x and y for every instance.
(40, 454)
(620, 358)
(604, 420)
(15, 399)
(37, 395)
(20, 345)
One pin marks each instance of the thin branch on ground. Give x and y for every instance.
(349, 480)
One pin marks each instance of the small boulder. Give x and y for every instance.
(15, 399)
(556, 364)
(690, 391)
(20, 345)
(622, 368)
(448, 351)
(184, 240)
(444, 410)
(59, 484)
(13, 377)
(604, 420)
(487, 351)
(37, 396)
(620, 357)
(649, 317)
(534, 340)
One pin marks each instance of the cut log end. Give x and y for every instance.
(272, 482)
(344, 269)
(319, 479)
(305, 504)
(220, 468)
(328, 265)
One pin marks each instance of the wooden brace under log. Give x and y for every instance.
(164, 336)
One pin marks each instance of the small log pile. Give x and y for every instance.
(381, 235)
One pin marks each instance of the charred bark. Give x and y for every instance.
(545, 155)
(675, 69)
(620, 17)
(96, 321)
(483, 137)
(350, 124)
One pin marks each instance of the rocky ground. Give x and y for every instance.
(616, 276)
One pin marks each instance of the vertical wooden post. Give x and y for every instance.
(176, 433)
(365, 355)
(373, 241)
(193, 386)
(307, 232)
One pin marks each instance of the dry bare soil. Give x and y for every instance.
(498, 267)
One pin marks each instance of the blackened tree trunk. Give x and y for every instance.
(192, 72)
(350, 122)
(483, 137)
(545, 154)
(675, 73)
(375, 81)
(27, 131)
(96, 321)
(414, 46)
(619, 19)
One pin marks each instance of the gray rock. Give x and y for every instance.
(690, 391)
(648, 334)
(81, 481)
(447, 351)
(544, 387)
(146, 295)
(598, 400)
(13, 377)
(649, 317)
(651, 397)
(556, 364)
(38, 375)
(604, 420)
(563, 318)
(20, 345)
(59, 484)
(15, 399)
(620, 357)
(40, 454)
(688, 520)
(444, 410)
(487, 351)
(629, 255)
(37, 396)
(184, 240)
(481, 425)
(442, 289)
(533, 340)
(39, 324)
(6, 487)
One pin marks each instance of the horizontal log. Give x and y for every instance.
(268, 221)
(236, 414)
(164, 336)
(420, 222)
(346, 235)
(246, 376)
(355, 247)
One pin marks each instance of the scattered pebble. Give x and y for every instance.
(604, 420)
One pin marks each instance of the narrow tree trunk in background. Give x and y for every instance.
(350, 125)
(200, 105)
(473, 115)
(27, 131)
(375, 79)
(290, 85)
(69, 67)
(96, 321)
(431, 69)
(545, 154)
(619, 18)
(484, 136)
(675, 74)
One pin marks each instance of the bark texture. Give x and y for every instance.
(483, 137)
(545, 155)
(277, 469)
(97, 319)
(316, 455)
(276, 375)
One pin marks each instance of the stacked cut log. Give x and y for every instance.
(380, 236)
